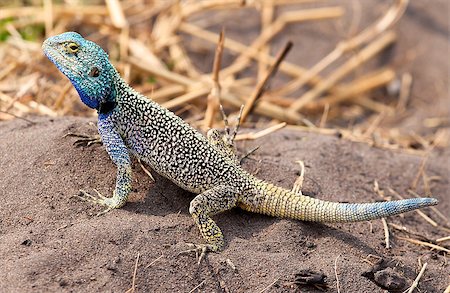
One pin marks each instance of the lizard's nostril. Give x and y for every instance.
(46, 44)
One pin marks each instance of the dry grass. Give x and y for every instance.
(145, 42)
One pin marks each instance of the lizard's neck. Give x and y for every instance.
(119, 90)
(122, 90)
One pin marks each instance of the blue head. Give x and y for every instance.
(85, 64)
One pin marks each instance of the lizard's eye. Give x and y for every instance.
(73, 47)
(95, 72)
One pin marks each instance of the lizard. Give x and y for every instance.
(131, 124)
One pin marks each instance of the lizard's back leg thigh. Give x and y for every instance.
(210, 202)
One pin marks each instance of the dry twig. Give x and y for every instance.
(259, 134)
(270, 285)
(443, 239)
(298, 184)
(419, 276)
(336, 275)
(198, 286)
(133, 284)
(154, 261)
(264, 83)
(370, 33)
(361, 57)
(214, 95)
(423, 243)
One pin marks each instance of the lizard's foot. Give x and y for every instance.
(200, 250)
(85, 140)
(110, 202)
(212, 201)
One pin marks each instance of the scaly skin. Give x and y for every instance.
(130, 123)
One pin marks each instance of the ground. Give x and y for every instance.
(52, 241)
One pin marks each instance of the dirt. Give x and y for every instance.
(50, 241)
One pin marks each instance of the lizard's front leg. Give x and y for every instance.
(118, 152)
(206, 204)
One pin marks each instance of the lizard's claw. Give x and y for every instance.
(98, 199)
(85, 140)
(199, 249)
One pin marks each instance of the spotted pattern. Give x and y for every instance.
(136, 125)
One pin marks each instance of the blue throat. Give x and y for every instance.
(103, 106)
(91, 103)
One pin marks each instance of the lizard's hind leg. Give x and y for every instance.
(221, 142)
(203, 206)
(230, 136)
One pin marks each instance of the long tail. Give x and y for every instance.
(279, 202)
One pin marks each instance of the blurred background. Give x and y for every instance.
(370, 71)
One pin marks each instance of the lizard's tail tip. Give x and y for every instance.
(371, 211)
(430, 201)
(419, 202)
